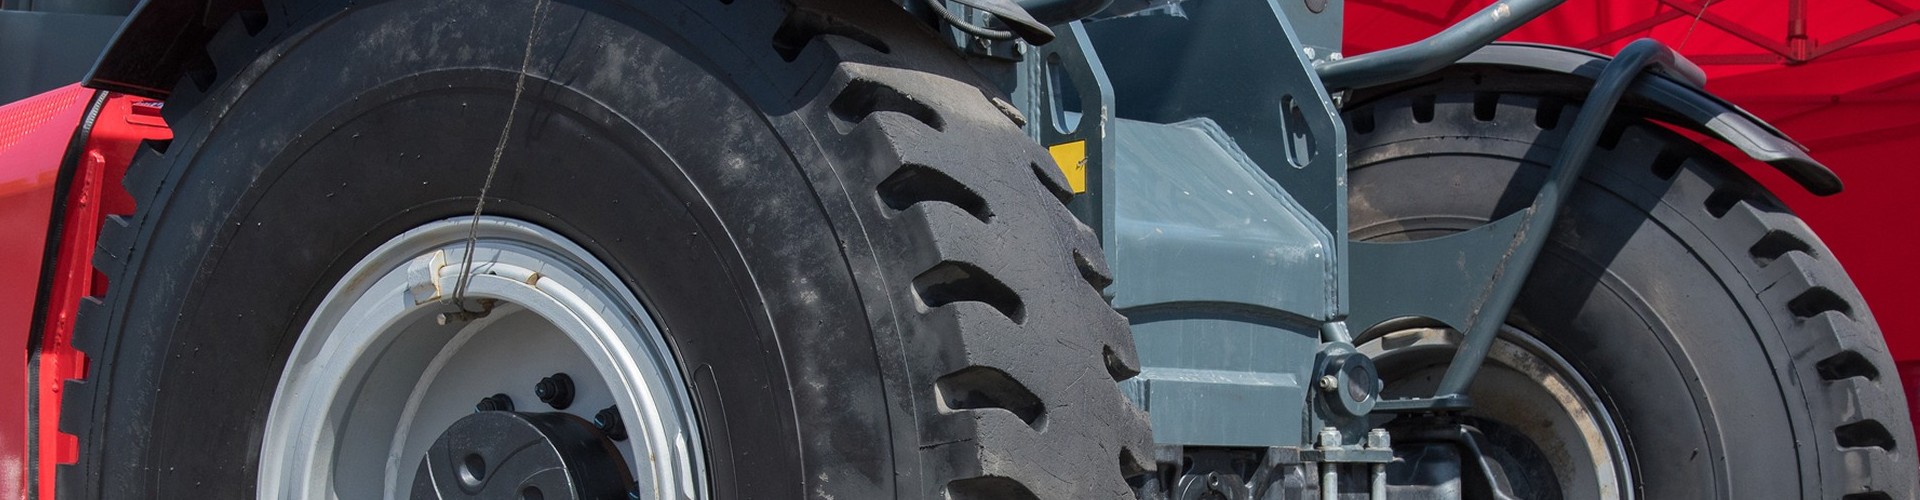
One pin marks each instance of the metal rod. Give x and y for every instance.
(1335, 331)
(1797, 30)
(1537, 219)
(1796, 19)
(1379, 489)
(1057, 12)
(1435, 52)
(1329, 481)
(1873, 32)
(1756, 38)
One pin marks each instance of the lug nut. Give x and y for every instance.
(555, 391)
(497, 402)
(608, 421)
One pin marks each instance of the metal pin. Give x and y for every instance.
(1329, 482)
(1379, 489)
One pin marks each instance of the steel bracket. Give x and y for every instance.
(1469, 280)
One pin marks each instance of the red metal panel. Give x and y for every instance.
(95, 192)
(34, 135)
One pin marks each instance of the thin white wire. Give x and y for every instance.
(499, 149)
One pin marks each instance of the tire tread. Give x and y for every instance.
(1834, 355)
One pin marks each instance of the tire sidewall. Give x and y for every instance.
(1628, 289)
(282, 192)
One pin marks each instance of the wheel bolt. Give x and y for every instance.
(608, 421)
(555, 391)
(497, 402)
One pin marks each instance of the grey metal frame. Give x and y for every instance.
(1216, 178)
(1185, 141)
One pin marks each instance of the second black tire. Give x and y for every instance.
(1734, 353)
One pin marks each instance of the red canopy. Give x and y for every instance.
(1840, 76)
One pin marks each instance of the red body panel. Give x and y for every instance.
(34, 135)
(124, 121)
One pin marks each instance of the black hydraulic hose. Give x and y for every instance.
(964, 26)
(1433, 53)
(1537, 219)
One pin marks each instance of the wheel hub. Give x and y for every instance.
(1537, 429)
(528, 456)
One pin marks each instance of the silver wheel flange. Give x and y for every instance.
(387, 363)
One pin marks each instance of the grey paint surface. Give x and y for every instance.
(42, 51)
(1196, 221)
(1216, 178)
(1225, 278)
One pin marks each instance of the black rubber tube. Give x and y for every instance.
(1435, 52)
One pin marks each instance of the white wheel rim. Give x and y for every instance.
(374, 378)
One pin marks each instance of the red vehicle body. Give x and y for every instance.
(1853, 100)
(43, 159)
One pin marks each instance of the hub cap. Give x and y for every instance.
(1548, 433)
(388, 364)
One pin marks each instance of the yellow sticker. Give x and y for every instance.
(1072, 158)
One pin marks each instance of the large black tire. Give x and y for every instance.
(1733, 352)
(864, 268)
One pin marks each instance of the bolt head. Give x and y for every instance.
(1379, 439)
(556, 391)
(1329, 437)
(497, 402)
(608, 421)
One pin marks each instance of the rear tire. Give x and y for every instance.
(1734, 354)
(864, 269)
